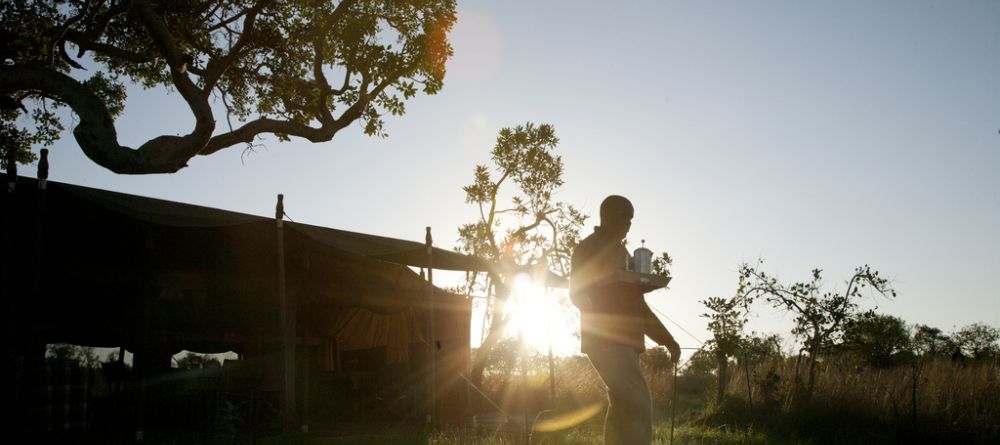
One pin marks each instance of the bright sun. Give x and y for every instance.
(538, 313)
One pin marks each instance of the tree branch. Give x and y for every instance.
(100, 23)
(217, 67)
(57, 41)
(226, 22)
(196, 98)
(96, 131)
(84, 43)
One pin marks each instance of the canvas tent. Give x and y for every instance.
(100, 268)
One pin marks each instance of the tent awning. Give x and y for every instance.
(170, 213)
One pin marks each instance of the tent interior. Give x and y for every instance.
(104, 269)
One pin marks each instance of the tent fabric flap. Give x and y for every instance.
(393, 250)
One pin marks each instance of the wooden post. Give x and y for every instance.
(142, 361)
(11, 169)
(673, 402)
(43, 168)
(7, 293)
(306, 364)
(428, 242)
(43, 176)
(9, 251)
(552, 365)
(522, 349)
(287, 404)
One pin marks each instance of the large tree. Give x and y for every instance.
(520, 224)
(296, 68)
(930, 342)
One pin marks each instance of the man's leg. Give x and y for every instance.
(629, 419)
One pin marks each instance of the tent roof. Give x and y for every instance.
(170, 213)
(86, 261)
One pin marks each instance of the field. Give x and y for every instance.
(932, 401)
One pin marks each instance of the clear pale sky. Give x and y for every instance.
(813, 134)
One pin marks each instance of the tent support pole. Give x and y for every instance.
(306, 364)
(7, 291)
(552, 365)
(287, 343)
(142, 360)
(432, 416)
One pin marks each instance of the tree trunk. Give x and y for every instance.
(796, 381)
(746, 370)
(723, 376)
(916, 370)
(812, 374)
(497, 325)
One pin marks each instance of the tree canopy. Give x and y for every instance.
(298, 68)
(880, 340)
(519, 224)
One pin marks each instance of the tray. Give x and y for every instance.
(644, 281)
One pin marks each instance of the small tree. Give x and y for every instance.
(520, 224)
(879, 340)
(726, 324)
(820, 317)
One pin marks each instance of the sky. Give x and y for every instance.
(811, 134)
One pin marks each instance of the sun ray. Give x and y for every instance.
(537, 313)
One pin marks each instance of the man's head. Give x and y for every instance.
(616, 215)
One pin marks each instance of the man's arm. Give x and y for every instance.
(655, 330)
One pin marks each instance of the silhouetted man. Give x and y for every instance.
(614, 319)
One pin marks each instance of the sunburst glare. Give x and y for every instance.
(538, 315)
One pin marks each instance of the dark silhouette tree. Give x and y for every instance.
(304, 69)
(64, 352)
(820, 317)
(755, 349)
(931, 342)
(881, 341)
(520, 224)
(978, 340)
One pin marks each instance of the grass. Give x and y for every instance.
(683, 435)
(851, 404)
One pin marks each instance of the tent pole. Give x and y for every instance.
(9, 250)
(428, 240)
(552, 366)
(142, 362)
(287, 346)
(306, 364)
(43, 176)
(7, 285)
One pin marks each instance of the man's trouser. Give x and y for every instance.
(629, 420)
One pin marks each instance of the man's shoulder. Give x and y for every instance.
(586, 245)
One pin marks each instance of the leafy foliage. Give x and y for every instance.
(882, 341)
(266, 63)
(930, 341)
(533, 227)
(726, 324)
(820, 317)
(64, 352)
(520, 225)
(978, 340)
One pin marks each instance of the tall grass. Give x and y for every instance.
(926, 400)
